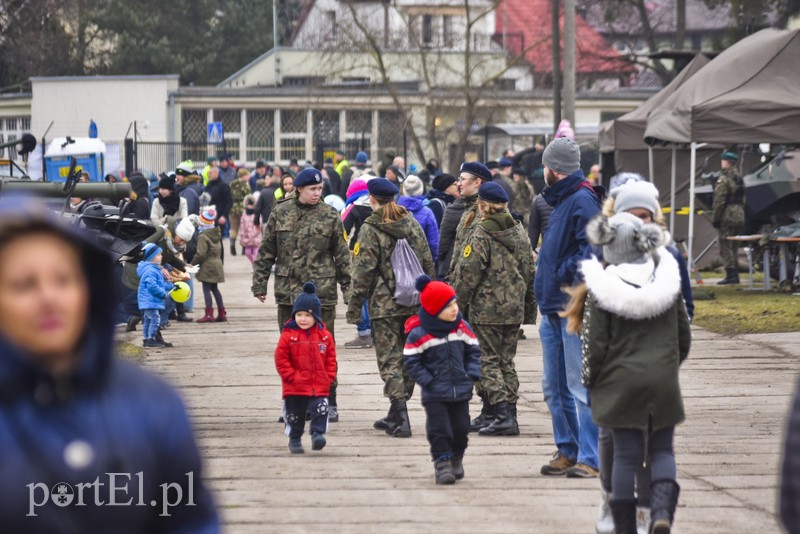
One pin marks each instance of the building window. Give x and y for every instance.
(193, 125)
(390, 131)
(427, 29)
(359, 132)
(447, 28)
(11, 129)
(293, 134)
(326, 131)
(260, 134)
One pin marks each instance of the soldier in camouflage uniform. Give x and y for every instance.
(493, 281)
(304, 240)
(373, 279)
(240, 188)
(728, 215)
(473, 174)
(523, 196)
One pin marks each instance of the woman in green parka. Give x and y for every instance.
(634, 334)
(493, 279)
(373, 279)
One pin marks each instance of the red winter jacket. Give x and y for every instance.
(306, 361)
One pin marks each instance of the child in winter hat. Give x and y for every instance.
(207, 218)
(306, 362)
(442, 355)
(153, 291)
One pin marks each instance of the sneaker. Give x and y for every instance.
(642, 520)
(457, 463)
(605, 521)
(295, 446)
(443, 471)
(582, 471)
(333, 414)
(317, 442)
(557, 466)
(360, 342)
(153, 344)
(183, 318)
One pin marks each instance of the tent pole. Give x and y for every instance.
(672, 196)
(650, 163)
(693, 163)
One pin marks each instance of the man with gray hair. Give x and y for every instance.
(564, 244)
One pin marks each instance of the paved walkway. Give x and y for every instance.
(728, 451)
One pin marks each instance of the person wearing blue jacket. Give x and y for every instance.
(414, 201)
(564, 244)
(81, 429)
(153, 290)
(442, 355)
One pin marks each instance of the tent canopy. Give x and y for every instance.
(750, 93)
(627, 132)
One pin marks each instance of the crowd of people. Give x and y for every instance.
(438, 273)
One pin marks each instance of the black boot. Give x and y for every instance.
(503, 424)
(483, 419)
(387, 423)
(458, 466)
(731, 277)
(624, 513)
(160, 339)
(132, 322)
(402, 428)
(333, 409)
(663, 500)
(513, 407)
(233, 247)
(443, 471)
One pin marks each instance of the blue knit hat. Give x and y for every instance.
(361, 157)
(310, 176)
(476, 168)
(492, 192)
(150, 251)
(308, 301)
(382, 188)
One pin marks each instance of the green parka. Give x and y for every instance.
(494, 275)
(635, 335)
(209, 256)
(305, 242)
(373, 278)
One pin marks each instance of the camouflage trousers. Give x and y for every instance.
(388, 337)
(499, 382)
(328, 317)
(729, 250)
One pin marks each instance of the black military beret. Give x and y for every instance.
(382, 188)
(478, 169)
(492, 192)
(308, 177)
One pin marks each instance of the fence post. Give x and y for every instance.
(130, 155)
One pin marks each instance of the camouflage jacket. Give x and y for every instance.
(521, 202)
(464, 230)
(239, 190)
(728, 203)
(304, 242)
(494, 276)
(372, 273)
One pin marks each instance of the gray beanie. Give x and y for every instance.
(562, 156)
(624, 238)
(636, 195)
(413, 186)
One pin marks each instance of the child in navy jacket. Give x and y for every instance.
(442, 355)
(306, 361)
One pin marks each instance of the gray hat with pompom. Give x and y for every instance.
(624, 238)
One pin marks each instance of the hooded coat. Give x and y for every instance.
(209, 256)
(494, 273)
(371, 266)
(634, 337)
(140, 208)
(564, 243)
(122, 418)
(153, 287)
(306, 360)
(426, 220)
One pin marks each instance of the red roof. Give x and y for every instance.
(527, 23)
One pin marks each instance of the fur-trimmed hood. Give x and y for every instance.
(616, 291)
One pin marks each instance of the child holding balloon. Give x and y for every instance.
(209, 259)
(153, 290)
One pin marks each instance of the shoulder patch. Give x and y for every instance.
(467, 251)
(357, 248)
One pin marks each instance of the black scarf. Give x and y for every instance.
(171, 203)
(435, 326)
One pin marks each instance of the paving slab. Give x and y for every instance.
(736, 393)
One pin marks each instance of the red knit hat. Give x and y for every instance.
(434, 296)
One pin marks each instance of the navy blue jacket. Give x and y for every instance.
(444, 359)
(105, 416)
(564, 242)
(437, 201)
(426, 220)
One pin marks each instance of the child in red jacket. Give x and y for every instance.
(306, 361)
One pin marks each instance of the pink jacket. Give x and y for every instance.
(249, 232)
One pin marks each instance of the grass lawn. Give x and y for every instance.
(733, 310)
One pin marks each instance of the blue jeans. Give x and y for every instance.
(574, 431)
(364, 326)
(151, 319)
(169, 305)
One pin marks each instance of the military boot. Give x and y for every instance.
(624, 512)
(387, 423)
(731, 277)
(402, 427)
(663, 500)
(503, 424)
(483, 419)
